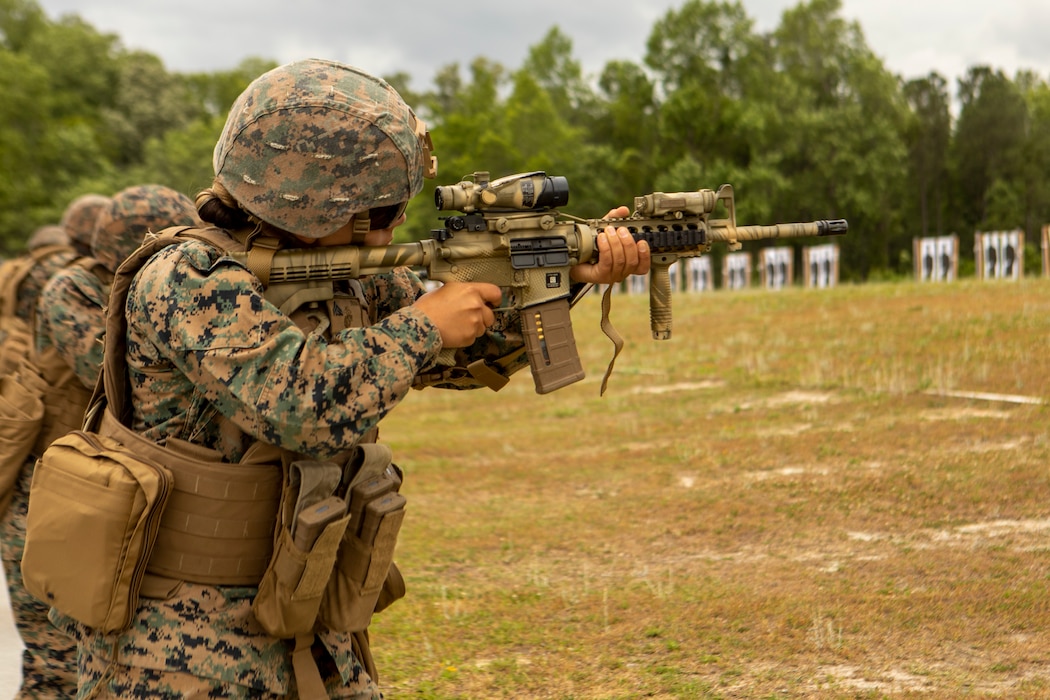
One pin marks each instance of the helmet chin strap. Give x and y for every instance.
(426, 145)
(361, 228)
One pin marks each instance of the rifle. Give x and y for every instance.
(510, 233)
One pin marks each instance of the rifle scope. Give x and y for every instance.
(522, 192)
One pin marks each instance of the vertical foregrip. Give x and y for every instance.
(660, 300)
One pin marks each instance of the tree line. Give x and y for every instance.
(805, 121)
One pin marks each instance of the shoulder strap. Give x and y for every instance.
(112, 385)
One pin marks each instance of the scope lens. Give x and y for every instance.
(555, 192)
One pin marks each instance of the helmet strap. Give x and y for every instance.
(426, 144)
(361, 228)
(261, 248)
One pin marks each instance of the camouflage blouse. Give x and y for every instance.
(204, 342)
(29, 290)
(71, 318)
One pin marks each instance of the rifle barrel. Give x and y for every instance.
(824, 227)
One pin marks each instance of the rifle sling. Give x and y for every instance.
(611, 333)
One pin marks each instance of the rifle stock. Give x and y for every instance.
(508, 233)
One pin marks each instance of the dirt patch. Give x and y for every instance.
(679, 387)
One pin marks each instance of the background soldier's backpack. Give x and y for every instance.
(16, 334)
(41, 398)
(22, 391)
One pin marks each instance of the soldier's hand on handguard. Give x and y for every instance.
(461, 310)
(619, 256)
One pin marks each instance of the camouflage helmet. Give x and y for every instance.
(309, 145)
(132, 213)
(79, 220)
(51, 234)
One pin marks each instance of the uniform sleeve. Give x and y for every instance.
(274, 381)
(70, 318)
(502, 345)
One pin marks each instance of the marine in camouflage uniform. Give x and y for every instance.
(71, 312)
(48, 656)
(70, 319)
(213, 362)
(64, 253)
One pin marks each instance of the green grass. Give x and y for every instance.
(781, 501)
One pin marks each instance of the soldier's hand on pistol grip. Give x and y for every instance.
(461, 310)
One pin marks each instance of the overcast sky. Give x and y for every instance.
(913, 37)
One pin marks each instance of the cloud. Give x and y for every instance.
(912, 37)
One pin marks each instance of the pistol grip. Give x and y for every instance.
(446, 357)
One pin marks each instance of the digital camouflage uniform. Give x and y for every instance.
(29, 291)
(48, 656)
(70, 319)
(211, 361)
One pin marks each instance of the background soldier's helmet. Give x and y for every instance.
(309, 145)
(51, 234)
(79, 220)
(134, 212)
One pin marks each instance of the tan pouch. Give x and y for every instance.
(363, 567)
(94, 511)
(21, 415)
(291, 589)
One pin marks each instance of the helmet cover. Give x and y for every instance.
(310, 144)
(133, 212)
(79, 220)
(50, 234)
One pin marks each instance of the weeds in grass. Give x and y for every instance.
(767, 505)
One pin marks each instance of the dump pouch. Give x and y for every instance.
(94, 511)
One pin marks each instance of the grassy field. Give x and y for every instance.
(794, 497)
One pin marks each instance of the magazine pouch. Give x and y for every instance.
(305, 549)
(366, 552)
